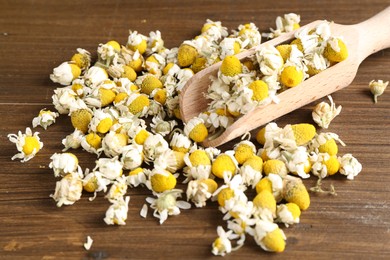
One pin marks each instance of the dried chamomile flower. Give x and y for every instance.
(92, 143)
(81, 119)
(45, 118)
(196, 130)
(132, 156)
(199, 191)
(155, 43)
(65, 73)
(63, 163)
(273, 183)
(161, 126)
(243, 151)
(303, 133)
(265, 205)
(325, 143)
(323, 113)
(137, 176)
(230, 46)
(107, 52)
(27, 144)
(291, 76)
(102, 94)
(287, 23)
(94, 75)
(249, 32)
(180, 143)
(377, 88)
(269, 236)
(230, 68)
(66, 100)
(349, 166)
(224, 165)
(101, 121)
(138, 104)
(170, 160)
(72, 140)
(295, 191)
(336, 50)
(198, 164)
(153, 146)
(183, 76)
(297, 161)
(68, 190)
(288, 214)
(223, 245)
(214, 30)
(269, 59)
(94, 182)
(114, 143)
(82, 58)
(251, 171)
(137, 42)
(117, 190)
(116, 214)
(232, 190)
(166, 204)
(275, 166)
(109, 168)
(162, 180)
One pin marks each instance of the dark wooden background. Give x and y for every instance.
(36, 36)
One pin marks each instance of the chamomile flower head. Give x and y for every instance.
(265, 205)
(183, 76)
(303, 133)
(107, 52)
(80, 119)
(66, 100)
(95, 182)
(63, 164)
(223, 245)
(82, 58)
(170, 160)
(291, 76)
(154, 64)
(161, 126)
(323, 113)
(199, 191)
(295, 191)
(349, 166)
(180, 142)
(72, 140)
(101, 121)
(230, 46)
(162, 180)
(377, 88)
(186, 55)
(92, 143)
(166, 204)
(116, 214)
(155, 42)
(138, 104)
(288, 214)
(102, 95)
(196, 130)
(275, 166)
(297, 161)
(325, 142)
(68, 190)
(45, 118)
(269, 59)
(154, 145)
(65, 73)
(230, 67)
(214, 30)
(251, 171)
(249, 33)
(28, 144)
(273, 183)
(198, 163)
(139, 135)
(132, 156)
(336, 50)
(110, 168)
(243, 151)
(287, 23)
(269, 236)
(233, 189)
(113, 143)
(94, 76)
(117, 190)
(259, 89)
(137, 176)
(137, 42)
(224, 165)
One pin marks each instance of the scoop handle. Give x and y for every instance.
(374, 34)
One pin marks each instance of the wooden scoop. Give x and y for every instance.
(362, 40)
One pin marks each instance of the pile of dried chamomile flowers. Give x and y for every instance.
(124, 108)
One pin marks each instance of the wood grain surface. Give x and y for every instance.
(36, 36)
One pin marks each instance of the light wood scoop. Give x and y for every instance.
(362, 40)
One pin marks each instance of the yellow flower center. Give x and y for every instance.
(296, 192)
(91, 185)
(303, 133)
(294, 209)
(199, 133)
(264, 184)
(284, 50)
(211, 185)
(107, 96)
(291, 76)
(274, 241)
(260, 90)
(115, 45)
(255, 162)
(76, 87)
(141, 136)
(275, 166)
(335, 56)
(224, 195)
(136, 65)
(243, 152)
(136, 171)
(186, 55)
(129, 72)
(76, 71)
(223, 163)
(104, 125)
(163, 182)
(231, 66)
(330, 147)
(94, 140)
(141, 47)
(298, 43)
(31, 143)
(149, 84)
(332, 165)
(80, 60)
(260, 136)
(199, 157)
(139, 104)
(80, 119)
(120, 97)
(265, 200)
(161, 96)
(199, 64)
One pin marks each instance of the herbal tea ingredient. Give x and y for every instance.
(124, 108)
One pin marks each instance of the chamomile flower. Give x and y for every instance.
(138, 104)
(295, 191)
(297, 161)
(170, 160)
(273, 183)
(269, 59)
(323, 113)
(223, 245)
(66, 100)
(68, 190)
(196, 130)
(137, 176)
(232, 190)
(117, 190)
(199, 191)
(107, 52)
(137, 42)
(154, 64)
(114, 143)
(155, 42)
(287, 23)
(275, 166)
(166, 204)
(92, 143)
(377, 88)
(82, 58)
(243, 151)
(224, 165)
(154, 145)
(27, 144)
(336, 50)
(72, 140)
(110, 168)
(325, 143)
(250, 33)
(265, 205)
(102, 95)
(198, 164)
(214, 30)
(183, 76)
(349, 166)
(116, 214)
(186, 55)
(288, 214)
(269, 236)
(161, 126)
(45, 118)
(251, 171)
(101, 121)
(63, 164)
(230, 46)
(132, 156)
(65, 73)
(180, 143)
(94, 75)
(161, 180)
(230, 68)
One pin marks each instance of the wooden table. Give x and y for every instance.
(36, 36)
